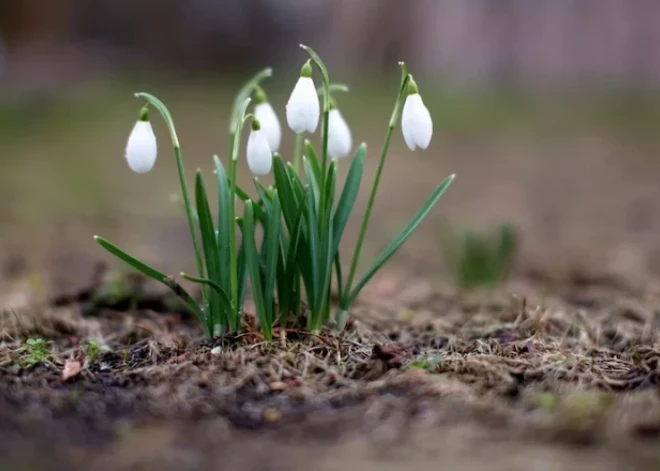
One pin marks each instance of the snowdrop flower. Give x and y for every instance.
(268, 120)
(339, 135)
(259, 155)
(141, 148)
(303, 108)
(416, 123)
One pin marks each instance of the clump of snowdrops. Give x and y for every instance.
(301, 218)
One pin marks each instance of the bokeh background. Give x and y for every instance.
(547, 111)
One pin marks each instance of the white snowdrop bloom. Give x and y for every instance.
(141, 148)
(303, 108)
(270, 124)
(340, 140)
(416, 123)
(259, 155)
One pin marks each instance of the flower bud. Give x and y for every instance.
(340, 140)
(270, 124)
(303, 108)
(141, 148)
(416, 123)
(259, 155)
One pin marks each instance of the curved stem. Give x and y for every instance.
(164, 112)
(374, 189)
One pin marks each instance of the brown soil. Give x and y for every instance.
(486, 381)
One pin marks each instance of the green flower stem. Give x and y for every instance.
(297, 152)
(190, 216)
(372, 197)
(164, 112)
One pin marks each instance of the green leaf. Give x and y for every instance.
(160, 277)
(224, 223)
(313, 239)
(401, 238)
(272, 255)
(242, 281)
(311, 178)
(211, 284)
(340, 279)
(296, 183)
(288, 283)
(327, 244)
(254, 271)
(211, 251)
(348, 196)
(310, 155)
(285, 190)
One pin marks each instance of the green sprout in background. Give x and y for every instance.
(301, 218)
(479, 258)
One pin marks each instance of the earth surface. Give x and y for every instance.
(555, 369)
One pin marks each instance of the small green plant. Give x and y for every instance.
(300, 219)
(36, 351)
(93, 351)
(479, 259)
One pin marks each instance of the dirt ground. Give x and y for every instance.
(556, 370)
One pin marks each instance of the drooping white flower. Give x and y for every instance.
(340, 140)
(141, 148)
(416, 123)
(270, 124)
(259, 155)
(303, 108)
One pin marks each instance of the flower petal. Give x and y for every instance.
(407, 123)
(423, 124)
(270, 124)
(303, 108)
(259, 155)
(141, 148)
(340, 140)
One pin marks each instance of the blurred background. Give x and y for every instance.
(547, 111)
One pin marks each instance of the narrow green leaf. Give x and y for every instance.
(135, 263)
(327, 244)
(340, 279)
(310, 154)
(224, 223)
(242, 281)
(254, 271)
(272, 255)
(313, 239)
(210, 248)
(211, 284)
(311, 178)
(168, 281)
(348, 196)
(296, 183)
(285, 190)
(400, 239)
